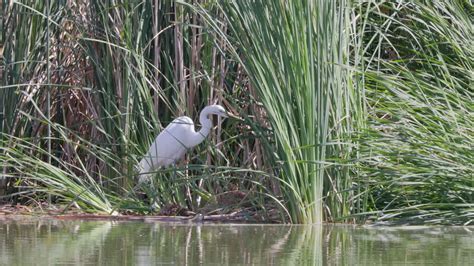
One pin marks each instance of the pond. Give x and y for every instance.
(53, 242)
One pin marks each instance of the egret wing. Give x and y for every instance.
(169, 146)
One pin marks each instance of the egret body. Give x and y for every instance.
(178, 137)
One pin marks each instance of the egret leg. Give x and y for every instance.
(178, 191)
(188, 188)
(174, 178)
(154, 203)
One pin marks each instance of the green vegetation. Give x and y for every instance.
(351, 111)
(418, 150)
(306, 90)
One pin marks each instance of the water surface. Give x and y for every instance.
(58, 242)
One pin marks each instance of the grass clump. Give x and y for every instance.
(351, 110)
(417, 154)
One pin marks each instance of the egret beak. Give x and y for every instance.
(231, 115)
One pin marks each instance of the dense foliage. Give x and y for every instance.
(351, 110)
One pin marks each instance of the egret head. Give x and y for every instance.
(216, 110)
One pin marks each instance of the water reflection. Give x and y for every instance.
(139, 243)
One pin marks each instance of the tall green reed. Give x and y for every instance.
(417, 154)
(295, 55)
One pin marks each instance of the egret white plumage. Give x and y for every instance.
(178, 137)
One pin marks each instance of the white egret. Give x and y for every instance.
(178, 137)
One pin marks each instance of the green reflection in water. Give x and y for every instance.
(51, 242)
